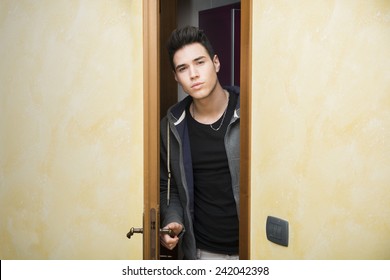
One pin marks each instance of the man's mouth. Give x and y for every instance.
(196, 85)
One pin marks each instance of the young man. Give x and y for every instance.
(200, 143)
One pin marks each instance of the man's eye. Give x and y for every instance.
(200, 61)
(181, 69)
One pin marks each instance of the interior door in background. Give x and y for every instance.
(222, 27)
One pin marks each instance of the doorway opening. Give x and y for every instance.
(178, 13)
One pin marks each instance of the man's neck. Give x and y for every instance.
(209, 110)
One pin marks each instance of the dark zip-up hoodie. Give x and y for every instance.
(177, 196)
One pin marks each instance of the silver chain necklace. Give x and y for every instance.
(223, 116)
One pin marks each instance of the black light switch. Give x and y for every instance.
(277, 230)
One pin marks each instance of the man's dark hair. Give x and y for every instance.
(185, 36)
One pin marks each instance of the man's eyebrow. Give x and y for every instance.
(178, 66)
(199, 58)
(195, 59)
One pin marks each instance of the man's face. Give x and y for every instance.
(195, 71)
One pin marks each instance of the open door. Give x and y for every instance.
(151, 59)
(152, 48)
(151, 222)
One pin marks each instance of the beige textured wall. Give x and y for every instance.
(321, 128)
(70, 129)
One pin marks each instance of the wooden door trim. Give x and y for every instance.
(151, 66)
(245, 127)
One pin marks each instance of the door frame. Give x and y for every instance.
(245, 127)
(151, 83)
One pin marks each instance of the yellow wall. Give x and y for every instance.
(71, 137)
(321, 128)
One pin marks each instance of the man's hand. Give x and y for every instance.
(168, 241)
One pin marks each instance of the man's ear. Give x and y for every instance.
(174, 74)
(217, 64)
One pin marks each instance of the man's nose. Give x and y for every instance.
(193, 72)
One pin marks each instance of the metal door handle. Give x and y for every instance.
(141, 230)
